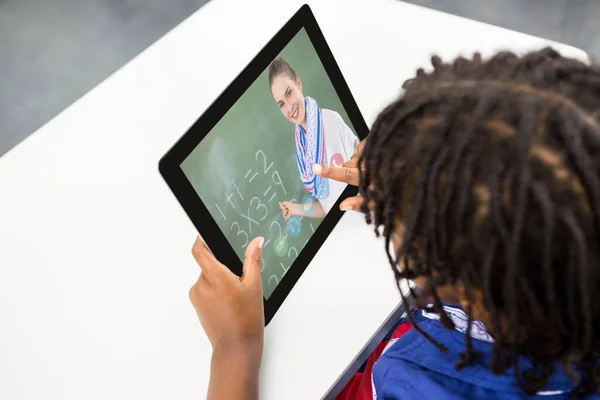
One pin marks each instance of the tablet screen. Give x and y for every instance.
(253, 171)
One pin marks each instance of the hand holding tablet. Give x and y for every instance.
(230, 309)
(225, 302)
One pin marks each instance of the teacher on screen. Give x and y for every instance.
(322, 138)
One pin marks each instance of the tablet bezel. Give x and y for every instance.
(170, 163)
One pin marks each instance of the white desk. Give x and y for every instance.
(95, 257)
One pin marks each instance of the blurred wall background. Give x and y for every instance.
(54, 51)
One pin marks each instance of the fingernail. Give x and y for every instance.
(317, 168)
(261, 241)
(347, 208)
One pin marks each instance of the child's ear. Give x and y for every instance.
(298, 83)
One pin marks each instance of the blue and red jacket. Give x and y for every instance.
(408, 366)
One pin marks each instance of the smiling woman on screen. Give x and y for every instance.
(322, 138)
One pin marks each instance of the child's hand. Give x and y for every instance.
(230, 308)
(347, 173)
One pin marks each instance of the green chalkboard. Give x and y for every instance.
(246, 165)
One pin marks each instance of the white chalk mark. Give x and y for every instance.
(276, 280)
(229, 196)
(285, 270)
(267, 191)
(270, 165)
(253, 176)
(272, 197)
(247, 173)
(266, 169)
(238, 190)
(219, 208)
(278, 180)
(250, 221)
(290, 252)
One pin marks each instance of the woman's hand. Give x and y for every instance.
(230, 308)
(347, 173)
(288, 209)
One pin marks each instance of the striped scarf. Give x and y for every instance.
(310, 149)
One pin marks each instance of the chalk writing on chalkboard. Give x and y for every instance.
(252, 215)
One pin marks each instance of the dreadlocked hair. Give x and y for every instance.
(491, 170)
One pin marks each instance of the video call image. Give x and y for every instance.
(254, 170)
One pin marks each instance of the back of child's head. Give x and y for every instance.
(280, 67)
(492, 167)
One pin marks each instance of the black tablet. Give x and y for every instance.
(244, 169)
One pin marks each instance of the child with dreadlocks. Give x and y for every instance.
(485, 178)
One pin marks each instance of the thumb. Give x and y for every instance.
(252, 261)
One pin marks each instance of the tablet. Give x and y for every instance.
(244, 169)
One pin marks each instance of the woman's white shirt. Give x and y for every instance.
(340, 143)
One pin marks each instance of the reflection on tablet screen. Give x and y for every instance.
(253, 171)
